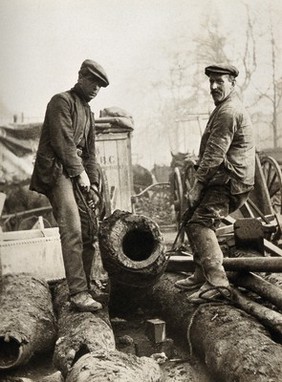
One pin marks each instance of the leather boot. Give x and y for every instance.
(192, 282)
(83, 302)
(203, 241)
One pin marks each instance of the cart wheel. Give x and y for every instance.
(161, 205)
(189, 176)
(161, 197)
(177, 196)
(273, 177)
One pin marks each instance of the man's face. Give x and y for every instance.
(90, 86)
(220, 87)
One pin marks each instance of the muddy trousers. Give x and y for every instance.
(216, 203)
(77, 246)
(207, 254)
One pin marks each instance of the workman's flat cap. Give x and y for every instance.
(221, 69)
(97, 71)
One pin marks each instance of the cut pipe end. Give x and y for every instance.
(138, 244)
(10, 352)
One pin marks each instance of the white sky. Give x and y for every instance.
(43, 43)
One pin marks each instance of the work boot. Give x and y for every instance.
(204, 244)
(100, 292)
(192, 282)
(207, 293)
(83, 302)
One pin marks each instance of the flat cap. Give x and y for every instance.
(94, 68)
(221, 69)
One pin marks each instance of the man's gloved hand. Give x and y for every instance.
(94, 197)
(194, 194)
(193, 198)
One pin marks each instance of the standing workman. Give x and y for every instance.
(66, 171)
(224, 179)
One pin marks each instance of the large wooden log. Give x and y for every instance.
(233, 345)
(78, 332)
(132, 249)
(114, 366)
(270, 318)
(85, 350)
(260, 286)
(27, 321)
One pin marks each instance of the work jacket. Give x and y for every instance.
(67, 142)
(227, 149)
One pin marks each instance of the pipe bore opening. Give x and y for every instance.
(10, 352)
(138, 245)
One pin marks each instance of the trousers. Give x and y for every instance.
(216, 203)
(75, 234)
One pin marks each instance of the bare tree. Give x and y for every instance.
(273, 92)
(276, 92)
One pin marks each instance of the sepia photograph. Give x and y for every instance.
(141, 191)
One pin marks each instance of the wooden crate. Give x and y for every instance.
(114, 155)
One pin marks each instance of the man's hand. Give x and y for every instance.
(195, 194)
(83, 181)
(94, 199)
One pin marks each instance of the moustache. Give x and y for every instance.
(215, 94)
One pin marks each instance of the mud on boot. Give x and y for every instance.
(192, 282)
(83, 302)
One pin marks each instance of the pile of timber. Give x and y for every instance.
(232, 343)
(237, 340)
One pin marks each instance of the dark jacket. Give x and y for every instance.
(68, 123)
(227, 150)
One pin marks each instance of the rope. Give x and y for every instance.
(91, 214)
(219, 289)
(189, 329)
(209, 302)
